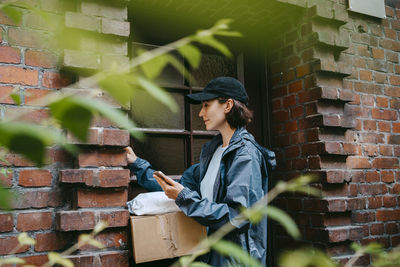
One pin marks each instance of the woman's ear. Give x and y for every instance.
(229, 105)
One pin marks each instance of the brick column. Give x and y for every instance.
(98, 185)
(68, 196)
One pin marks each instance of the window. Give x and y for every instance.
(174, 140)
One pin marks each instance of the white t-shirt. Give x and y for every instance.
(207, 184)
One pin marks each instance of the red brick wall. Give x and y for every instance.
(335, 101)
(69, 195)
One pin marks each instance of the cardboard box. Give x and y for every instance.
(163, 236)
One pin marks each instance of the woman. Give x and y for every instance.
(232, 173)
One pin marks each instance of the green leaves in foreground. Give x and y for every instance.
(305, 258)
(76, 113)
(231, 249)
(55, 258)
(30, 140)
(284, 220)
(11, 260)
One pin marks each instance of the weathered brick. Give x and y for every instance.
(385, 163)
(103, 137)
(7, 244)
(96, 178)
(11, 74)
(5, 92)
(102, 158)
(9, 54)
(115, 137)
(34, 178)
(378, 53)
(388, 215)
(365, 75)
(50, 241)
(6, 178)
(35, 97)
(81, 59)
(115, 27)
(392, 91)
(55, 80)
(37, 260)
(115, 218)
(110, 239)
(75, 220)
(38, 199)
(27, 114)
(115, 259)
(51, 22)
(90, 198)
(358, 163)
(362, 217)
(82, 260)
(40, 59)
(6, 222)
(34, 221)
(4, 19)
(57, 6)
(82, 21)
(26, 38)
(110, 11)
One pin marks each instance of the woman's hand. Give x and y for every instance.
(170, 187)
(130, 155)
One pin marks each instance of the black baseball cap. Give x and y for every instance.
(221, 86)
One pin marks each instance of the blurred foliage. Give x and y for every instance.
(75, 114)
(55, 258)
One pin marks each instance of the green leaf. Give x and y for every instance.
(305, 258)
(11, 12)
(72, 116)
(87, 239)
(371, 248)
(16, 98)
(6, 196)
(99, 107)
(178, 66)
(231, 249)
(120, 86)
(307, 190)
(30, 140)
(192, 54)
(12, 260)
(285, 220)
(24, 239)
(152, 68)
(56, 258)
(199, 264)
(229, 33)
(100, 226)
(223, 23)
(158, 93)
(211, 41)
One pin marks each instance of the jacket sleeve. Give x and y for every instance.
(144, 174)
(239, 178)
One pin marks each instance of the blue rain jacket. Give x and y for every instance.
(241, 181)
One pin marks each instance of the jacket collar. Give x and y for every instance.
(234, 143)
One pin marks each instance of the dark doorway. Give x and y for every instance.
(179, 137)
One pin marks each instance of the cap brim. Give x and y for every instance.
(196, 98)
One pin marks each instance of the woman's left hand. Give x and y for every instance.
(170, 187)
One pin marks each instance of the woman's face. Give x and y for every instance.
(213, 114)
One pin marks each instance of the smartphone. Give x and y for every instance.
(162, 176)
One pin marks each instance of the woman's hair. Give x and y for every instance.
(239, 115)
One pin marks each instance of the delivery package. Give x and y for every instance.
(162, 236)
(160, 230)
